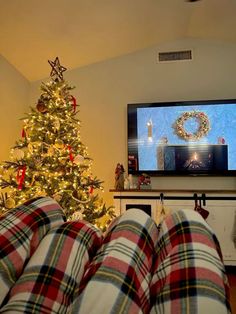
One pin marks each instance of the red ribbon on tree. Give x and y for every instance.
(73, 102)
(91, 188)
(20, 176)
(23, 133)
(70, 153)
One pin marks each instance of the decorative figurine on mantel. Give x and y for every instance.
(144, 182)
(119, 177)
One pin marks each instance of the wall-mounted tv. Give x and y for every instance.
(182, 138)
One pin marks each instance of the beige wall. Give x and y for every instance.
(103, 91)
(14, 95)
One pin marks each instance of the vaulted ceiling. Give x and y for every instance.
(82, 32)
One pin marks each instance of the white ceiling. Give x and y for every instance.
(81, 32)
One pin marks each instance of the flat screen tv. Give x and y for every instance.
(182, 138)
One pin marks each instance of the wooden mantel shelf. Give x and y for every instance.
(174, 191)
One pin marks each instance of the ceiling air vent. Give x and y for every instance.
(174, 56)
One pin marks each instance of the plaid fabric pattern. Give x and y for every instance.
(21, 230)
(118, 279)
(136, 267)
(49, 280)
(189, 276)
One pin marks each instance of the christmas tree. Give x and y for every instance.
(50, 160)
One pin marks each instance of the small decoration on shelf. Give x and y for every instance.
(144, 182)
(119, 177)
(126, 184)
(132, 185)
(203, 128)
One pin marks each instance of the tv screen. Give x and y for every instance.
(182, 138)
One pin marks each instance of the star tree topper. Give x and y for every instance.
(57, 69)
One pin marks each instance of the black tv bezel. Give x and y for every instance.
(132, 136)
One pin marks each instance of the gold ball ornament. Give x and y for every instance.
(59, 144)
(76, 216)
(10, 203)
(103, 221)
(61, 170)
(56, 124)
(62, 185)
(2, 170)
(57, 197)
(42, 193)
(79, 159)
(63, 160)
(18, 154)
(30, 148)
(51, 151)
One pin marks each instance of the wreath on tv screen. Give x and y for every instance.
(203, 125)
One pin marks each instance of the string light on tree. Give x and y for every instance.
(50, 159)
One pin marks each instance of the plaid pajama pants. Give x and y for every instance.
(188, 275)
(51, 276)
(136, 267)
(21, 231)
(176, 270)
(119, 277)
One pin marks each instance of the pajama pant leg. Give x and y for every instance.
(49, 280)
(118, 279)
(21, 230)
(189, 275)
